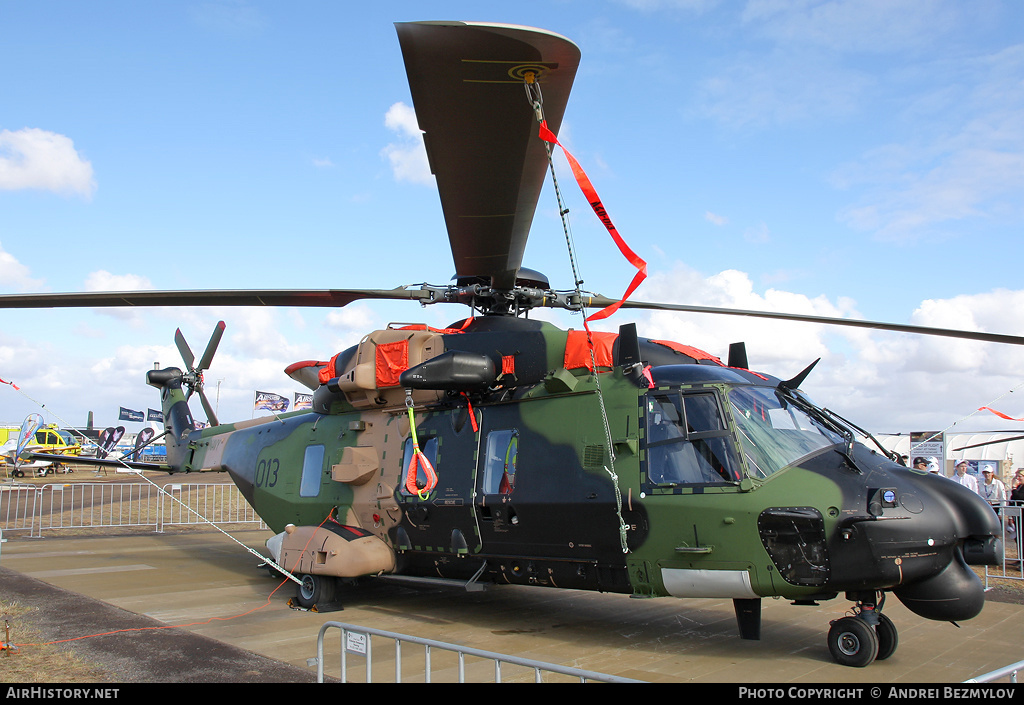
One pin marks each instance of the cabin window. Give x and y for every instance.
(688, 442)
(47, 438)
(429, 448)
(312, 471)
(501, 461)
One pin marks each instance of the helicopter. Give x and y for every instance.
(505, 450)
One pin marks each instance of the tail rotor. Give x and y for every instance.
(193, 379)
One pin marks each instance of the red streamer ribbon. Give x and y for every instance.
(595, 202)
(999, 414)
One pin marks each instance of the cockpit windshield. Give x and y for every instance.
(774, 431)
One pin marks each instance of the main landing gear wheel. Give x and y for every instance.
(853, 642)
(315, 589)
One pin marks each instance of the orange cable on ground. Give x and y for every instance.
(180, 626)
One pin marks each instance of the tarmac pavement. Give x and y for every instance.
(230, 625)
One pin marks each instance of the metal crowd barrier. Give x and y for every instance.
(1013, 546)
(111, 505)
(358, 641)
(1006, 671)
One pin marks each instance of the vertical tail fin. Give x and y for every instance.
(178, 421)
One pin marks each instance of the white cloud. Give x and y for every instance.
(236, 18)
(102, 280)
(781, 88)
(36, 159)
(966, 160)
(715, 219)
(696, 6)
(881, 26)
(884, 381)
(408, 158)
(758, 234)
(16, 275)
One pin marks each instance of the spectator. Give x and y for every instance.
(964, 477)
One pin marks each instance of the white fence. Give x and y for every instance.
(1013, 545)
(358, 641)
(109, 505)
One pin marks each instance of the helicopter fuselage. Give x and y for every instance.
(692, 480)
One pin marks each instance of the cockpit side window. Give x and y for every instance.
(688, 442)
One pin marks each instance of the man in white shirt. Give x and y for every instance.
(964, 477)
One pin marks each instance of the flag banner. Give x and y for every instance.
(154, 415)
(131, 415)
(302, 401)
(31, 424)
(108, 439)
(270, 402)
(144, 437)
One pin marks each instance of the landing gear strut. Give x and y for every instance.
(864, 637)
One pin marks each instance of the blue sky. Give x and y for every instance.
(861, 159)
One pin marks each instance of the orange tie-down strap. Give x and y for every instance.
(590, 193)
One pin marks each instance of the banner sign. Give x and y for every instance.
(131, 415)
(270, 402)
(31, 424)
(144, 437)
(108, 439)
(928, 445)
(302, 401)
(154, 415)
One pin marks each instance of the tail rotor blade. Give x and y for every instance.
(211, 347)
(184, 349)
(210, 416)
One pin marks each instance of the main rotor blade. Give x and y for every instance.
(468, 88)
(326, 298)
(602, 301)
(211, 347)
(990, 443)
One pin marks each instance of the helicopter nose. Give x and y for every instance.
(963, 530)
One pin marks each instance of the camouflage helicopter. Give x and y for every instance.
(506, 450)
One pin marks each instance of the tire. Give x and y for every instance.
(852, 642)
(314, 590)
(888, 638)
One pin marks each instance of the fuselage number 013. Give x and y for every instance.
(266, 472)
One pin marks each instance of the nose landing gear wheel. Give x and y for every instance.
(315, 589)
(888, 638)
(853, 642)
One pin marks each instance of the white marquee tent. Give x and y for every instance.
(1007, 447)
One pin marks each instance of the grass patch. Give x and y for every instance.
(45, 663)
